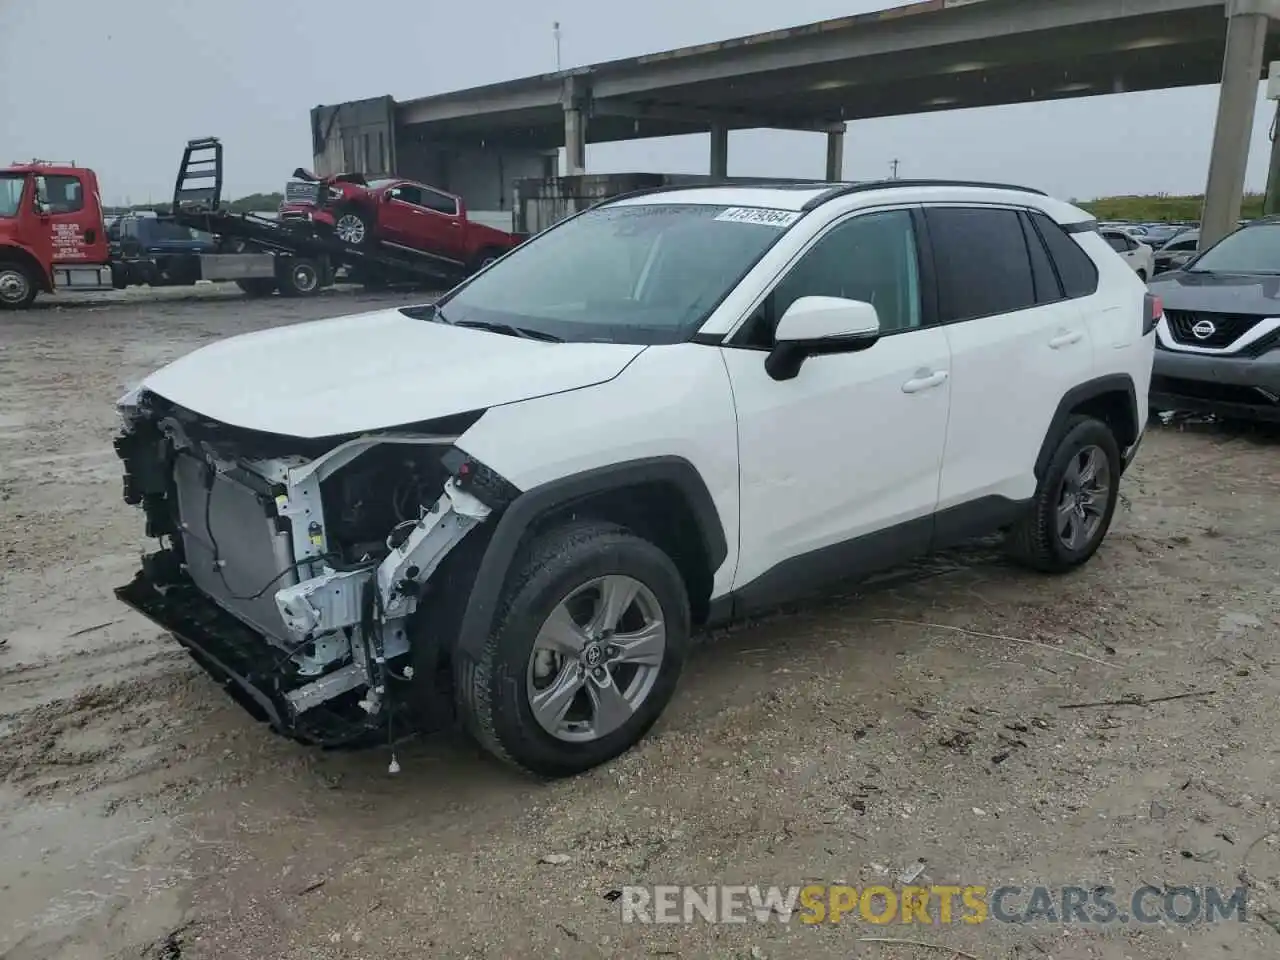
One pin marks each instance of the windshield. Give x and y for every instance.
(11, 185)
(648, 273)
(1251, 250)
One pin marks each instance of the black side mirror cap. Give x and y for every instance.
(785, 359)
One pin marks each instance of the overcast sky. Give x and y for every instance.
(121, 85)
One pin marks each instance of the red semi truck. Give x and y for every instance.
(53, 236)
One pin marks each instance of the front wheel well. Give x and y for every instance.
(20, 257)
(657, 511)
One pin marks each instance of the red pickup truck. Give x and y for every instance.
(401, 214)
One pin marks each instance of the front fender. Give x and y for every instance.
(525, 509)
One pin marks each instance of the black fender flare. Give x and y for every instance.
(525, 509)
(1082, 393)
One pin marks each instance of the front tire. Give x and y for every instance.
(585, 652)
(17, 286)
(1074, 503)
(351, 227)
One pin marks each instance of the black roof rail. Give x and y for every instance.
(830, 190)
(844, 189)
(711, 185)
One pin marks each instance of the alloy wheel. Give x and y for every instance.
(1083, 497)
(596, 659)
(350, 229)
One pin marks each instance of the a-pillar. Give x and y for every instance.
(835, 153)
(1247, 24)
(719, 151)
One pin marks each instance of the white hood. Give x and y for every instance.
(372, 371)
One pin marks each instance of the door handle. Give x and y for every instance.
(917, 384)
(1066, 339)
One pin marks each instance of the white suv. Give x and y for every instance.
(511, 507)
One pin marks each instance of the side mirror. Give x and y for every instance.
(388, 196)
(42, 197)
(820, 325)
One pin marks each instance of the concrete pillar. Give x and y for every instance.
(835, 155)
(1247, 23)
(575, 141)
(719, 151)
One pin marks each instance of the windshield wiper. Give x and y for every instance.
(426, 311)
(507, 329)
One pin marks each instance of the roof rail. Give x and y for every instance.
(713, 184)
(829, 190)
(844, 189)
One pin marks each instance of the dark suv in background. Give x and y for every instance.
(1218, 345)
(161, 249)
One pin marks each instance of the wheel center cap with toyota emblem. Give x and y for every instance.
(1204, 330)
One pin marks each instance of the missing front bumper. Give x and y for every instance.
(253, 672)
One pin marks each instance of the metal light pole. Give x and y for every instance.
(555, 32)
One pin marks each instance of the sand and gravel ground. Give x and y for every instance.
(142, 814)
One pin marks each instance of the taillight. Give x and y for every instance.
(1152, 311)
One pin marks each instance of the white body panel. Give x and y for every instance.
(372, 371)
(826, 457)
(1119, 346)
(671, 401)
(1009, 373)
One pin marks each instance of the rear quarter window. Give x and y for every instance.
(1075, 268)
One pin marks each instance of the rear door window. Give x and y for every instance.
(982, 262)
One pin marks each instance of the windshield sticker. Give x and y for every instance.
(768, 218)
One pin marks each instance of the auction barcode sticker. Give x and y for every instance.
(761, 215)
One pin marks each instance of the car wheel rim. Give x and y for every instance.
(350, 229)
(596, 659)
(304, 279)
(1083, 497)
(14, 286)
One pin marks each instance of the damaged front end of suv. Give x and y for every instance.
(292, 568)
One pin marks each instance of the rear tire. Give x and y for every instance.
(18, 287)
(298, 277)
(566, 568)
(1074, 504)
(257, 286)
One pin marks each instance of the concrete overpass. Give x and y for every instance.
(927, 56)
